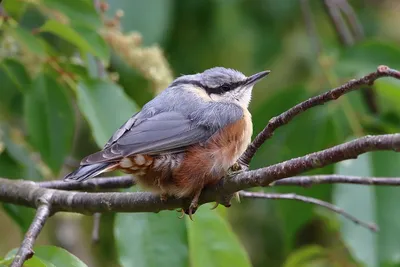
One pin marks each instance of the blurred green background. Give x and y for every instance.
(57, 104)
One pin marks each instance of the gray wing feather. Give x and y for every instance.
(165, 132)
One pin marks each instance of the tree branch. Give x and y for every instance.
(287, 116)
(26, 192)
(291, 196)
(95, 184)
(344, 34)
(25, 252)
(265, 176)
(347, 38)
(310, 26)
(307, 181)
(126, 181)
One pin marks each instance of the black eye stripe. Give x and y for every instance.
(211, 90)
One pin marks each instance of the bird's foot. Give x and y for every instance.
(237, 196)
(163, 197)
(192, 208)
(234, 169)
(215, 205)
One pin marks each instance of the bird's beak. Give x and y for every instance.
(256, 77)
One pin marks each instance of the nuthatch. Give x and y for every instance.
(184, 139)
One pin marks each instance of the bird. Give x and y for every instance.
(184, 139)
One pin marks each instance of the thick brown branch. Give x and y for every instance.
(371, 226)
(287, 116)
(92, 184)
(126, 181)
(349, 150)
(26, 193)
(25, 252)
(307, 181)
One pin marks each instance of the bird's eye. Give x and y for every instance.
(225, 87)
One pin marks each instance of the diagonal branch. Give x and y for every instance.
(43, 211)
(348, 37)
(333, 9)
(331, 207)
(310, 26)
(307, 181)
(350, 150)
(287, 116)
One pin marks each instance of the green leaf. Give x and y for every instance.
(23, 216)
(150, 240)
(15, 8)
(29, 41)
(32, 262)
(285, 144)
(57, 256)
(80, 12)
(306, 256)
(388, 92)
(16, 73)
(98, 46)
(105, 106)
(386, 164)
(9, 168)
(10, 96)
(366, 56)
(360, 201)
(17, 148)
(50, 120)
(151, 18)
(84, 38)
(371, 204)
(49, 256)
(212, 242)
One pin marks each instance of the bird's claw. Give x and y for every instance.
(215, 206)
(163, 197)
(192, 209)
(182, 213)
(234, 169)
(237, 197)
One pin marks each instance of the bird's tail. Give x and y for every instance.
(88, 171)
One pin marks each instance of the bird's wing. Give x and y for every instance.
(165, 132)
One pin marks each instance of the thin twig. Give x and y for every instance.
(101, 71)
(96, 227)
(307, 181)
(352, 18)
(287, 116)
(347, 38)
(95, 184)
(370, 226)
(344, 34)
(25, 252)
(310, 26)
